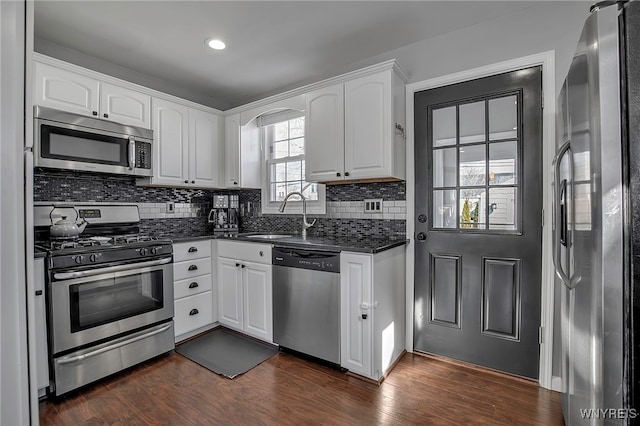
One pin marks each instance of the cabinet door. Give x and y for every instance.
(232, 151)
(356, 288)
(205, 149)
(65, 90)
(125, 106)
(368, 149)
(230, 309)
(257, 301)
(170, 133)
(324, 134)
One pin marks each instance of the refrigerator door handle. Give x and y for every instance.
(562, 236)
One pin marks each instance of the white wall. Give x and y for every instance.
(14, 392)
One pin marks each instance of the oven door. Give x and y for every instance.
(92, 305)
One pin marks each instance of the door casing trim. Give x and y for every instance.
(547, 61)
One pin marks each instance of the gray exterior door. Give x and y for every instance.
(478, 215)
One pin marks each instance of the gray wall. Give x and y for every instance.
(549, 26)
(14, 390)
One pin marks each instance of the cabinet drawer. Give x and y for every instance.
(191, 250)
(191, 268)
(193, 312)
(249, 252)
(191, 286)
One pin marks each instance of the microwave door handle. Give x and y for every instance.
(132, 152)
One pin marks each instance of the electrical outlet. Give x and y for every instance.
(373, 205)
(171, 207)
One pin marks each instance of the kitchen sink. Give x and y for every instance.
(269, 236)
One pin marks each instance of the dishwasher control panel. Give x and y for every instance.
(316, 260)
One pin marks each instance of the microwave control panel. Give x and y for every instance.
(143, 155)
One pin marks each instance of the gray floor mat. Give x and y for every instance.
(226, 353)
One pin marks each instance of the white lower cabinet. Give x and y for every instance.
(372, 298)
(195, 306)
(40, 327)
(244, 288)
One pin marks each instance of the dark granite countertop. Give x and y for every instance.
(328, 243)
(187, 238)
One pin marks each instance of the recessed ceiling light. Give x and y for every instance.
(215, 43)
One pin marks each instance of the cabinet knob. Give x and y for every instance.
(364, 316)
(186, 181)
(261, 253)
(106, 115)
(338, 174)
(193, 268)
(193, 285)
(235, 183)
(193, 181)
(237, 264)
(346, 173)
(243, 266)
(94, 112)
(192, 249)
(38, 292)
(193, 312)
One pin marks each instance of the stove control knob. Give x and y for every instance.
(154, 250)
(143, 252)
(93, 257)
(79, 259)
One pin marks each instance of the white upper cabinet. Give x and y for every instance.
(81, 94)
(125, 106)
(65, 90)
(187, 151)
(232, 151)
(205, 149)
(355, 130)
(243, 156)
(324, 130)
(171, 149)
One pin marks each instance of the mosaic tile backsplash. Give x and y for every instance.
(345, 216)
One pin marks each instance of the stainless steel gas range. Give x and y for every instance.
(109, 293)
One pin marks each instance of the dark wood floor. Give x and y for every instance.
(287, 390)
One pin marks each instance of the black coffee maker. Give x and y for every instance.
(224, 214)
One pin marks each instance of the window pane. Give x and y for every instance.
(502, 163)
(281, 131)
(502, 118)
(296, 147)
(444, 126)
(472, 165)
(296, 128)
(311, 193)
(444, 208)
(291, 187)
(472, 209)
(294, 170)
(280, 149)
(502, 208)
(444, 167)
(278, 191)
(472, 123)
(279, 173)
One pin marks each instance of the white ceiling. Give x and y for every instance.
(271, 45)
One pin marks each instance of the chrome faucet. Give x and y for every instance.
(305, 225)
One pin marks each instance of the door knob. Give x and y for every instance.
(421, 237)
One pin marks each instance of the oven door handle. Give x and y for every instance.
(109, 269)
(108, 348)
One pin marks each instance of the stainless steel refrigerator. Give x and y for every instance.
(595, 197)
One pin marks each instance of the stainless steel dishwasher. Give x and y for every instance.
(306, 301)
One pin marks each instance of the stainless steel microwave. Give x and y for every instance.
(63, 140)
